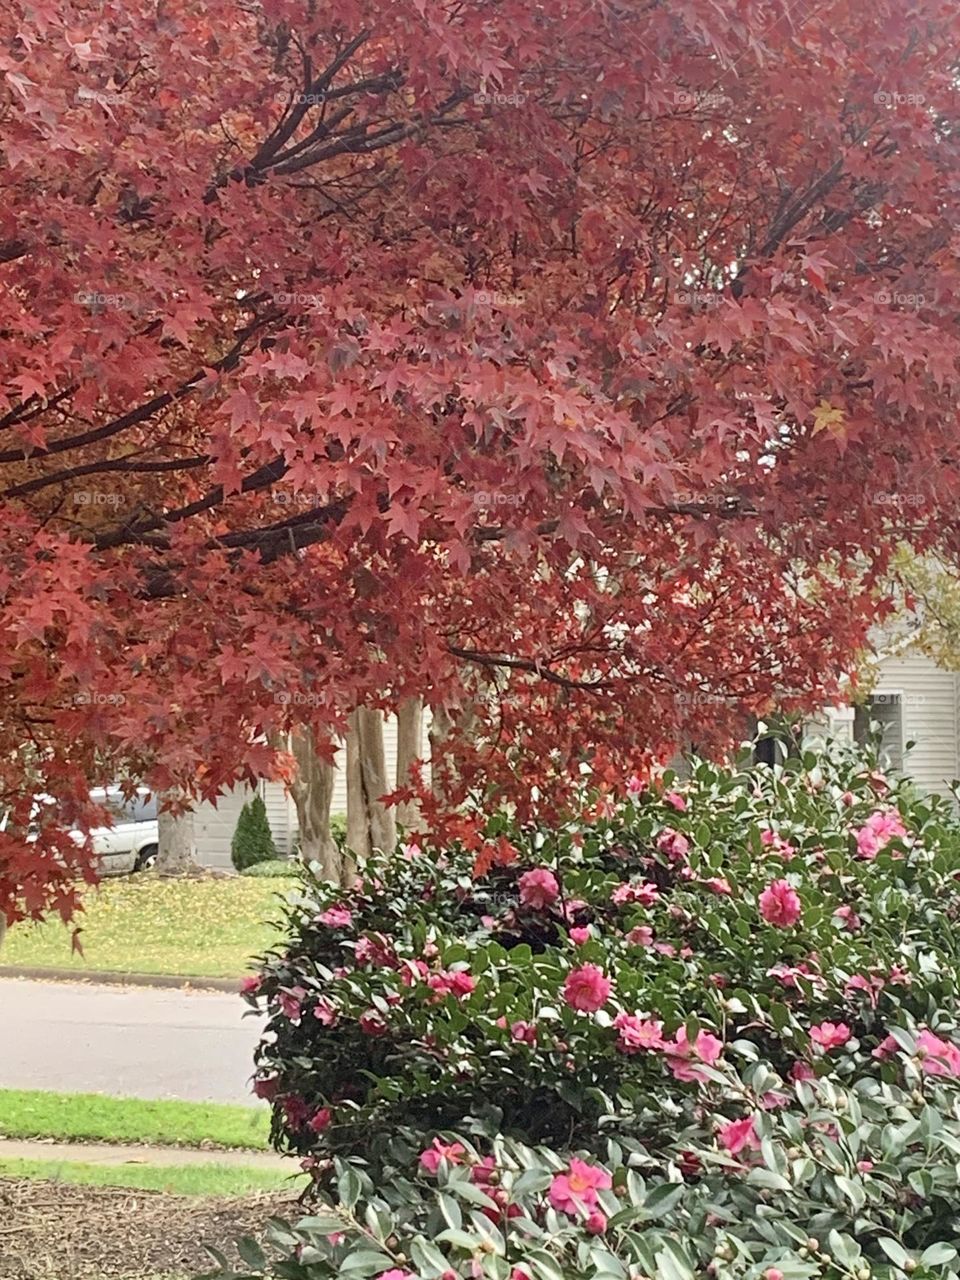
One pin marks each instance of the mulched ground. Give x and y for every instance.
(54, 1231)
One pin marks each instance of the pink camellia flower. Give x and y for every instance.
(848, 917)
(375, 950)
(296, 1111)
(452, 982)
(290, 1003)
(266, 1088)
(717, 884)
(738, 1135)
(771, 840)
(539, 888)
(682, 1056)
(871, 987)
(864, 1166)
(483, 1170)
(413, 971)
(879, 783)
(868, 844)
(673, 843)
(586, 988)
(439, 1150)
(676, 801)
(396, 1273)
(325, 1012)
(524, 1032)
(336, 917)
(570, 1192)
(937, 1057)
(250, 986)
(371, 1024)
(320, 1120)
(830, 1035)
(885, 1049)
(780, 904)
(877, 832)
(635, 786)
(641, 936)
(773, 1273)
(801, 1071)
(596, 1223)
(645, 893)
(772, 1101)
(637, 1034)
(792, 975)
(579, 935)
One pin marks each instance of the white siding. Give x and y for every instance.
(280, 808)
(280, 814)
(930, 716)
(214, 825)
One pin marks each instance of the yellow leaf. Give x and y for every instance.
(828, 418)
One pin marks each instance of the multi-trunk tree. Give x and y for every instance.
(574, 367)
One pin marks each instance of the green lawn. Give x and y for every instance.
(140, 924)
(94, 1117)
(182, 1180)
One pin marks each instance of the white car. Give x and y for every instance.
(131, 843)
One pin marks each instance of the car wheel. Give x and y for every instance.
(146, 858)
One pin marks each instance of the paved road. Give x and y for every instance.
(135, 1042)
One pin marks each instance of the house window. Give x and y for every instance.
(880, 719)
(777, 743)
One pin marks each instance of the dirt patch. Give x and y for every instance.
(59, 1232)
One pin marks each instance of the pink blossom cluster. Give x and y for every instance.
(877, 832)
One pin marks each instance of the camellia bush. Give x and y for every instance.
(706, 1024)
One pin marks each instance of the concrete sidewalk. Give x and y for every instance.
(110, 1156)
(130, 1041)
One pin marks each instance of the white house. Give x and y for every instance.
(915, 700)
(214, 825)
(918, 704)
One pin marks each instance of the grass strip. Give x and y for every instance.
(181, 1180)
(94, 1117)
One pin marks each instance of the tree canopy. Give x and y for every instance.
(584, 362)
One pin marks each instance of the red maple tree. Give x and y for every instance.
(581, 359)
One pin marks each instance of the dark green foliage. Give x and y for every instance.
(253, 839)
